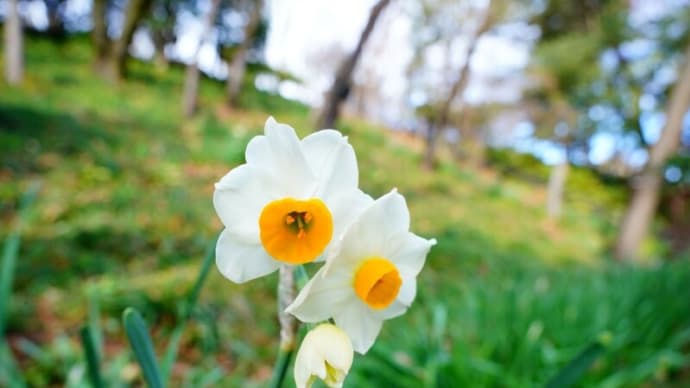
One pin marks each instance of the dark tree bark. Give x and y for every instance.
(191, 82)
(646, 186)
(162, 25)
(99, 35)
(159, 42)
(238, 64)
(136, 10)
(459, 86)
(343, 79)
(14, 44)
(56, 28)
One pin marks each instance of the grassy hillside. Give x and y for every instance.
(124, 217)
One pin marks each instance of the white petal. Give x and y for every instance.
(242, 261)
(240, 197)
(408, 291)
(360, 325)
(408, 251)
(322, 296)
(345, 208)
(279, 155)
(369, 235)
(333, 162)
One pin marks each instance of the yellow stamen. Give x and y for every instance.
(377, 282)
(295, 231)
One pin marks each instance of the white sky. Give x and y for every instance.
(300, 29)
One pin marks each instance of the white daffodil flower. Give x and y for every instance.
(371, 275)
(287, 203)
(326, 353)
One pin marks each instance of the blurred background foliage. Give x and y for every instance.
(530, 275)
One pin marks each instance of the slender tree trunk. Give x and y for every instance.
(647, 185)
(136, 10)
(191, 81)
(343, 78)
(429, 159)
(99, 34)
(458, 88)
(159, 59)
(554, 196)
(162, 32)
(14, 44)
(238, 64)
(56, 28)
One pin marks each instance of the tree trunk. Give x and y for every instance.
(343, 78)
(14, 45)
(191, 81)
(159, 58)
(136, 10)
(238, 64)
(554, 196)
(458, 88)
(429, 159)
(162, 30)
(645, 198)
(99, 35)
(56, 28)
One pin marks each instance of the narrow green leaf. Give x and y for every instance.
(92, 359)
(190, 303)
(280, 368)
(577, 367)
(171, 351)
(139, 339)
(193, 295)
(94, 322)
(9, 371)
(7, 267)
(212, 378)
(9, 255)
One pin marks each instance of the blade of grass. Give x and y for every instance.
(577, 367)
(212, 378)
(94, 322)
(189, 304)
(7, 267)
(9, 255)
(193, 295)
(92, 359)
(171, 351)
(10, 377)
(139, 339)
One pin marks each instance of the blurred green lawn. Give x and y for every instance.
(125, 215)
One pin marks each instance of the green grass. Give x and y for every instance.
(508, 297)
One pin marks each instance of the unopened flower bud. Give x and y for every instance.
(326, 353)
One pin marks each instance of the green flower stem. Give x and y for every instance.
(281, 367)
(288, 325)
(301, 276)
